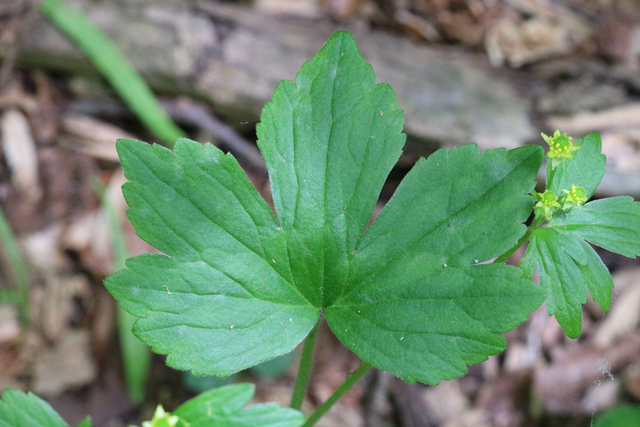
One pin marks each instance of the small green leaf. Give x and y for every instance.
(612, 223)
(85, 423)
(263, 415)
(225, 399)
(585, 169)
(20, 409)
(223, 407)
(568, 267)
(557, 258)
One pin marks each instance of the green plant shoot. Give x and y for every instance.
(567, 264)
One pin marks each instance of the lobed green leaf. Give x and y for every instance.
(237, 286)
(413, 306)
(568, 267)
(218, 302)
(329, 140)
(612, 223)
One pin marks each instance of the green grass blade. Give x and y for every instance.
(135, 354)
(21, 298)
(115, 67)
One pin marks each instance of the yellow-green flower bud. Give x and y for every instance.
(560, 147)
(574, 197)
(547, 203)
(162, 419)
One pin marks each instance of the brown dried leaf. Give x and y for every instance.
(66, 365)
(303, 8)
(20, 153)
(562, 384)
(624, 315)
(92, 137)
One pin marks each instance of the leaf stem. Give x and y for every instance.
(324, 408)
(300, 387)
(526, 236)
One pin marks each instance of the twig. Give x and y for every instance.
(188, 112)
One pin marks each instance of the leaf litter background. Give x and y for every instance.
(574, 61)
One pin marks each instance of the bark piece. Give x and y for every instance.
(233, 58)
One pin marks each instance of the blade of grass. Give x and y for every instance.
(136, 355)
(114, 66)
(20, 277)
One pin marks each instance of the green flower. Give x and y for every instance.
(574, 197)
(162, 419)
(560, 147)
(547, 203)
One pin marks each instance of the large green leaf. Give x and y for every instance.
(20, 409)
(412, 305)
(223, 407)
(236, 287)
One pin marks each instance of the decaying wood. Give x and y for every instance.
(233, 58)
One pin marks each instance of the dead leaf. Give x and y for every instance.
(624, 116)
(92, 137)
(303, 8)
(65, 366)
(20, 153)
(561, 384)
(632, 379)
(57, 304)
(533, 31)
(9, 325)
(624, 315)
(445, 401)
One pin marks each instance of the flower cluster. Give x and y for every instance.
(560, 147)
(548, 203)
